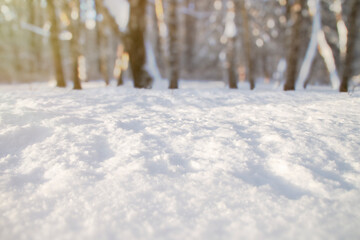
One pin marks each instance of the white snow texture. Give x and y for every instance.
(121, 163)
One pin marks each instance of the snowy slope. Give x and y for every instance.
(121, 163)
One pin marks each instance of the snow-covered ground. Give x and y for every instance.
(122, 163)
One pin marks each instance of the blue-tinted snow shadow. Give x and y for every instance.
(334, 176)
(13, 142)
(160, 157)
(89, 154)
(174, 166)
(341, 165)
(97, 151)
(257, 176)
(328, 155)
(77, 121)
(133, 125)
(250, 137)
(35, 177)
(167, 162)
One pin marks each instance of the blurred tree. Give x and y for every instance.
(212, 41)
(173, 45)
(101, 44)
(33, 38)
(121, 64)
(72, 7)
(107, 20)
(190, 35)
(231, 36)
(55, 44)
(135, 44)
(351, 43)
(246, 41)
(160, 33)
(296, 20)
(15, 36)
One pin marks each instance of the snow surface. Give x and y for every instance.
(122, 163)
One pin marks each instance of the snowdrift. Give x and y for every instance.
(121, 163)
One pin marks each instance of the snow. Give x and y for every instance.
(210, 163)
(120, 11)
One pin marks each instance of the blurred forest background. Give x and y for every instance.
(294, 42)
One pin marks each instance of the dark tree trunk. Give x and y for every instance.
(101, 44)
(350, 48)
(136, 44)
(265, 66)
(74, 45)
(55, 45)
(294, 47)
(231, 65)
(173, 45)
(120, 80)
(246, 41)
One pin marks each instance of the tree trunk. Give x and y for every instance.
(38, 45)
(312, 47)
(158, 42)
(120, 79)
(173, 45)
(230, 33)
(101, 43)
(190, 36)
(33, 38)
(265, 66)
(55, 45)
(294, 51)
(160, 33)
(350, 48)
(120, 64)
(246, 42)
(74, 43)
(136, 44)
(15, 36)
(231, 66)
